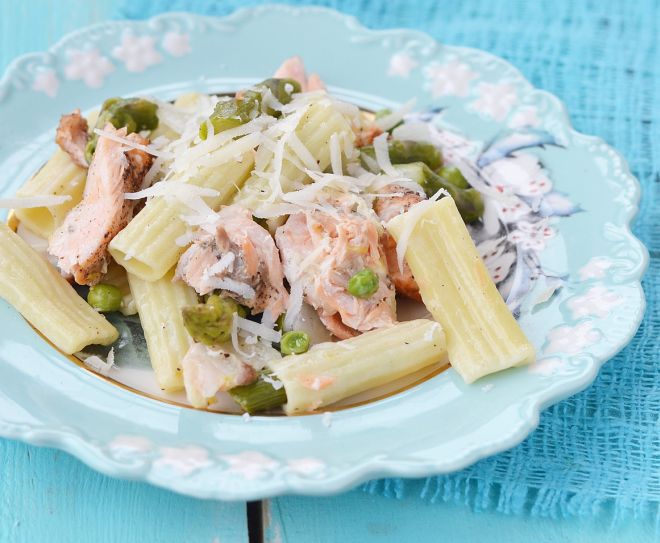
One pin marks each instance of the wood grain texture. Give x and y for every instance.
(46, 495)
(357, 516)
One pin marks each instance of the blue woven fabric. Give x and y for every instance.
(601, 58)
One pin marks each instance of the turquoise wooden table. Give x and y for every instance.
(46, 495)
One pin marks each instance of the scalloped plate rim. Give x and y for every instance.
(93, 456)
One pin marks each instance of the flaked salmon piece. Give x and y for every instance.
(294, 68)
(80, 244)
(238, 257)
(207, 371)
(72, 136)
(322, 251)
(387, 208)
(365, 135)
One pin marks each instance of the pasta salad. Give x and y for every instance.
(238, 226)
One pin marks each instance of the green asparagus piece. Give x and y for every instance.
(453, 175)
(210, 323)
(237, 111)
(135, 114)
(469, 202)
(258, 396)
(405, 152)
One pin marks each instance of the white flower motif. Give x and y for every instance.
(47, 82)
(184, 460)
(495, 100)
(511, 208)
(596, 302)
(450, 79)
(525, 116)
(306, 466)
(137, 52)
(250, 464)
(177, 44)
(401, 64)
(498, 262)
(595, 268)
(520, 173)
(531, 236)
(572, 339)
(546, 366)
(88, 65)
(125, 444)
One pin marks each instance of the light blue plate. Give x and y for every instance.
(575, 233)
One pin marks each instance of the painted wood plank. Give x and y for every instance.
(357, 516)
(47, 495)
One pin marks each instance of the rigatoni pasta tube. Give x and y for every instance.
(482, 335)
(58, 177)
(159, 305)
(147, 247)
(37, 290)
(320, 122)
(330, 372)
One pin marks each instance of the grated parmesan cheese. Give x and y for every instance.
(46, 200)
(390, 121)
(383, 156)
(258, 329)
(150, 149)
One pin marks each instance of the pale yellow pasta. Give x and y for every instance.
(482, 335)
(148, 247)
(58, 177)
(330, 372)
(37, 290)
(159, 305)
(321, 121)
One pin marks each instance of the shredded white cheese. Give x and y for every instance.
(383, 156)
(183, 191)
(237, 287)
(394, 118)
(99, 365)
(258, 329)
(150, 149)
(295, 304)
(46, 200)
(335, 155)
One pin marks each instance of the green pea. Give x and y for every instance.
(454, 176)
(294, 342)
(363, 284)
(104, 297)
(210, 323)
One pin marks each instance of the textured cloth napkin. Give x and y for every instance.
(601, 58)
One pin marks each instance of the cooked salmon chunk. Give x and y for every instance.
(207, 371)
(388, 207)
(294, 68)
(323, 251)
(72, 136)
(80, 244)
(238, 257)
